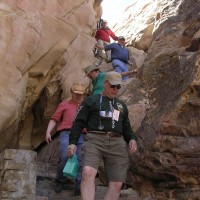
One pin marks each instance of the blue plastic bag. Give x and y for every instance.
(72, 167)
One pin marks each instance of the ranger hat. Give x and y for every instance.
(78, 88)
(114, 78)
(90, 68)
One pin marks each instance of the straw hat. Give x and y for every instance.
(78, 88)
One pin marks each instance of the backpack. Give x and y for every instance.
(99, 23)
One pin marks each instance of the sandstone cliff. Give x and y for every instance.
(44, 45)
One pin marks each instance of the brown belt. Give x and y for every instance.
(108, 134)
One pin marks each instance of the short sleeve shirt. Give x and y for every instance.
(65, 114)
(98, 83)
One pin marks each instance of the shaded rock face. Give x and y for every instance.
(45, 45)
(169, 135)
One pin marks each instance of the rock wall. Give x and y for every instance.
(17, 174)
(165, 99)
(43, 47)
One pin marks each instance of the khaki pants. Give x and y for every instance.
(102, 53)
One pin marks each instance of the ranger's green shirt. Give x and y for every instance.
(88, 117)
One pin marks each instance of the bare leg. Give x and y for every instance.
(113, 192)
(88, 183)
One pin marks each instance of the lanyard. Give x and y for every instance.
(100, 101)
(101, 126)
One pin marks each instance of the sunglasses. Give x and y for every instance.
(115, 86)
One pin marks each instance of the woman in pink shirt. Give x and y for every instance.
(62, 119)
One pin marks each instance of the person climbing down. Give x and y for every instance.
(119, 57)
(96, 77)
(63, 119)
(102, 36)
(109, 138)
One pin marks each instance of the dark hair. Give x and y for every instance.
(97, 70)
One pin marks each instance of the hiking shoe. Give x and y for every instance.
(77, 193)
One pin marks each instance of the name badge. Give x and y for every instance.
(116, 115)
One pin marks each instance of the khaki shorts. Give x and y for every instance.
(102, 53)
(113, 152)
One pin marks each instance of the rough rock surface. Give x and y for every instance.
(167, 163)
(17, 174)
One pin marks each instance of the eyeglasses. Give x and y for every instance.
(115, 86)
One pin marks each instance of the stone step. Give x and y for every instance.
(68, 195)
(45, 191)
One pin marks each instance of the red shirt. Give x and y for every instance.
(65, 114)
(105, 34)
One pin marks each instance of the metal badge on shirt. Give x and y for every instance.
(120, 107)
